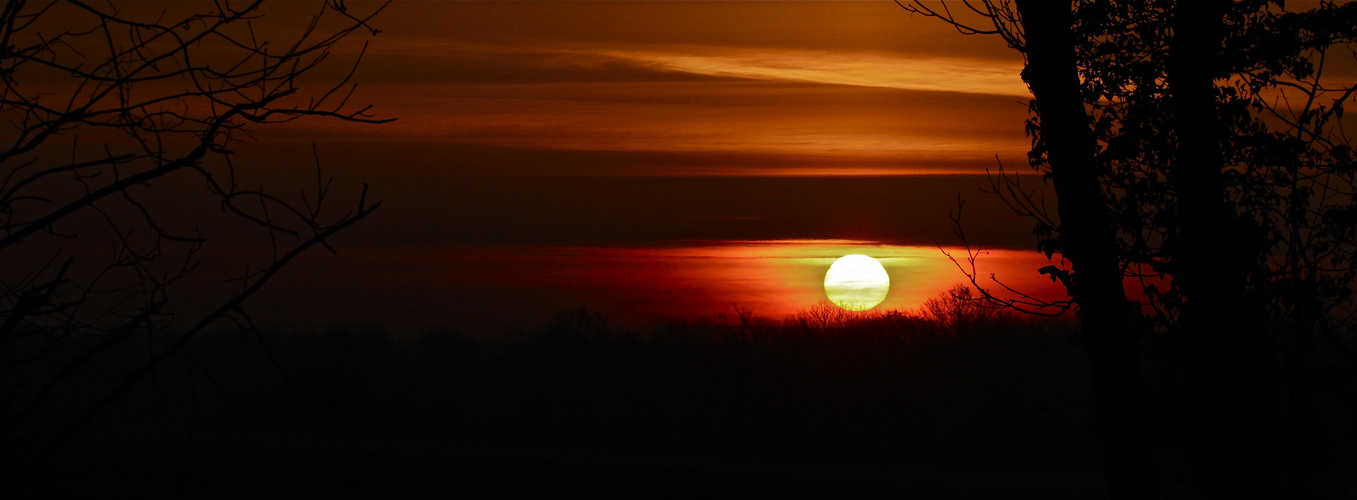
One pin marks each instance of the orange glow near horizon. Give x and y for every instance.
(772, 278)
(703, 280)
(493, 290)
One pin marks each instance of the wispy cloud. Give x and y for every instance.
(976, 76)
(675, 88)
(468, 62)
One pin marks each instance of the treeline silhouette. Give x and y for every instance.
(972, 403)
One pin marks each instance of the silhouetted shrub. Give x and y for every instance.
(579, 325)
(959, 311)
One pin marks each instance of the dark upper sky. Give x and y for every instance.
(496, 103)
(678, 88)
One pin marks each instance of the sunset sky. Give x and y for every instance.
(650, 160)
(655, 160)
(682, 88)
(607, 246)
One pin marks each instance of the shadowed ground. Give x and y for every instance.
(686, 410)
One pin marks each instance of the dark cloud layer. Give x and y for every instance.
(645, 210)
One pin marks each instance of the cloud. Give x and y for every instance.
(855, 124)
(699, 89)
(976, 76)
(450, 62)
(417, 60)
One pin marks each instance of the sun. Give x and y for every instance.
(856, 282)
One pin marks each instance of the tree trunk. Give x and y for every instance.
(1087, 240)
(1229, 358)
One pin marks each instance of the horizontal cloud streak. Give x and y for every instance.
(850, 126)
(456, 62)
(426, 61)
(861, 69)
(768, 88)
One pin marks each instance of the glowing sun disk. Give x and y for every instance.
(856, 282)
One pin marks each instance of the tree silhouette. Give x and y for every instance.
(959, 311)
(1066, 147)
(1206, 141)
(105, 109)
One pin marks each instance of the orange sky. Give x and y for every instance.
(635, 131)
(617, 127)
(682, 88)
(551, 155)
(493, 288)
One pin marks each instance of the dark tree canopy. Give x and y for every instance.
(1213, 132)
(108, 111)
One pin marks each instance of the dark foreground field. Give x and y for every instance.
(903, 408)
